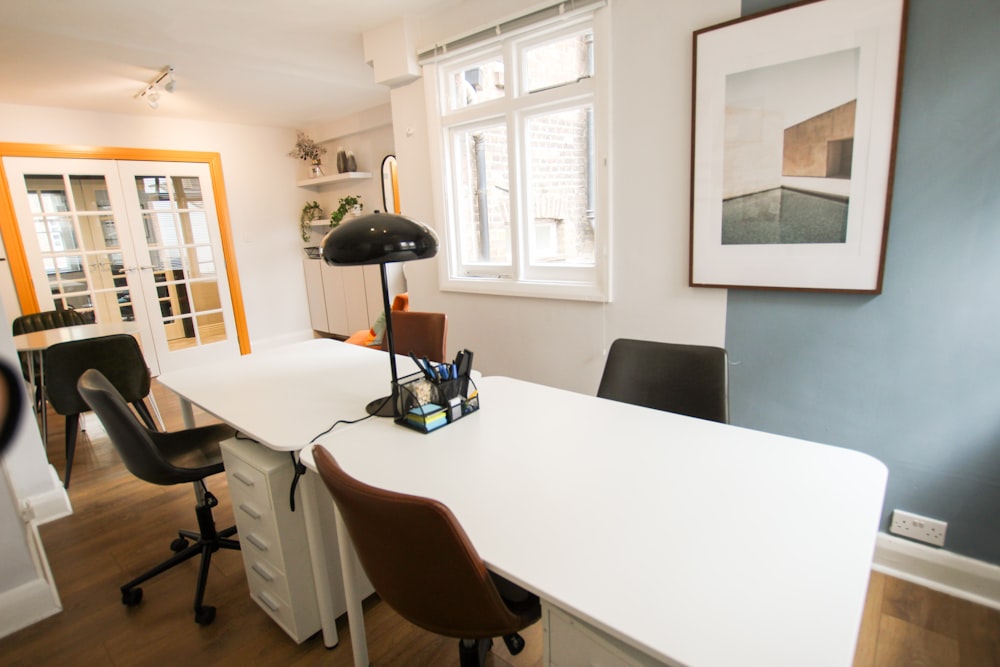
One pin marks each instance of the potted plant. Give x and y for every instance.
(307, 149)
(347, 204)
(310, 212)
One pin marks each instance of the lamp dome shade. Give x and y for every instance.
(379, 238)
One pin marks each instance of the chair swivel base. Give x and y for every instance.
(206, 542)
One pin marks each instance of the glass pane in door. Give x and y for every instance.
(75, 231)
(182, 259)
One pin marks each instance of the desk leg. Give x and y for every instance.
(317, 555)
(355, 614)
(187, 412)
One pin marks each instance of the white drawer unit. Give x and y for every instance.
(569, 642)
(272, 537)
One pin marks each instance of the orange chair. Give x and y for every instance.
(373, 337)
(423, 565)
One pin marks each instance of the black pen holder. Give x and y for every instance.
(426, 405)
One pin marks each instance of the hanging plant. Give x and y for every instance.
(310, 212)
(346, 204)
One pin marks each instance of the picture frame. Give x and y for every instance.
(794, 121)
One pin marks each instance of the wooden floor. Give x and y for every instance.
(121, 526)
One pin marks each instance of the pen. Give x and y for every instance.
(423, 369)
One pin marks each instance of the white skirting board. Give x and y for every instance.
(35, 600)
(938, 569)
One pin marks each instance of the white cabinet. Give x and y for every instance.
(272, 537)
(342, 299)
(569, 642)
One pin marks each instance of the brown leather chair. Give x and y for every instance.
(691, 380)
(423, 334)
(423, 565)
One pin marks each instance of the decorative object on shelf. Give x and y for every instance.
(311, 212)
(349, 204)
(380, 239)
(307, 149)
(346, 162)
(313, 252)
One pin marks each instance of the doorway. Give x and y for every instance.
(131, 241)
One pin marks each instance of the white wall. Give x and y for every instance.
(264, 203)
(563, 343)
(29, 490)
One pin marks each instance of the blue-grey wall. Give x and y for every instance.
(911, 376)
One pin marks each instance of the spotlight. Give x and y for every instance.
(151, 91)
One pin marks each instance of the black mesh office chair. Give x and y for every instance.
(118, 357)
(47, 319)
(423, 565)
(690, 380)
(162, 458)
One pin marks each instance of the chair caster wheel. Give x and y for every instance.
(514, 642)
(204, 615)
(132, 597)
(179, 544)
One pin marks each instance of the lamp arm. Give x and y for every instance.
(388, 333)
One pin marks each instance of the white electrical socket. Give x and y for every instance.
(920, 528)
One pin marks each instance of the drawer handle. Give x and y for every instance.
(242, 478)
(268, 602)
(254, 514)
(262, 572)
(257, 542)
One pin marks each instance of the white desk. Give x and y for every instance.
(284, 397)
(697, 543)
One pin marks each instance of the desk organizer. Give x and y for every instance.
(426, 406)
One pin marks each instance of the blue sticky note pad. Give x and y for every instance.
(426, 409)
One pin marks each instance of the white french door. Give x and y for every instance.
(129, 241)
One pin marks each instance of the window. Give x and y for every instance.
(522, 188)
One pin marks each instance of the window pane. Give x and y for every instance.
(472, 84)
(482, 194)
(560, 217)
(564, 60)
(90, 193)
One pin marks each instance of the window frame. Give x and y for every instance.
(514, 109)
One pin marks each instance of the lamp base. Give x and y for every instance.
(381, 407)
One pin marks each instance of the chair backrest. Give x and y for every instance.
(145, 453)
(690, 380)
(49, 319)
(117, 356)
(423, 334)
(418, 557)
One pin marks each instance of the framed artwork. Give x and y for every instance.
(793, 143)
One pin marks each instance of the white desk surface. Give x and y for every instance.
(285, 396)
(43, 340)
(699, 543)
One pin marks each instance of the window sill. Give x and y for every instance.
(567, 291)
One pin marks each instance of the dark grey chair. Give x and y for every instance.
(47, 319)
(162, 458)
(118, 357)
(691, 380)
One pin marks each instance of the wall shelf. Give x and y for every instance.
(320, 181)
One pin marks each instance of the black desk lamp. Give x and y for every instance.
(380, 238)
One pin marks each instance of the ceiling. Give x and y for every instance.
(285, 63)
